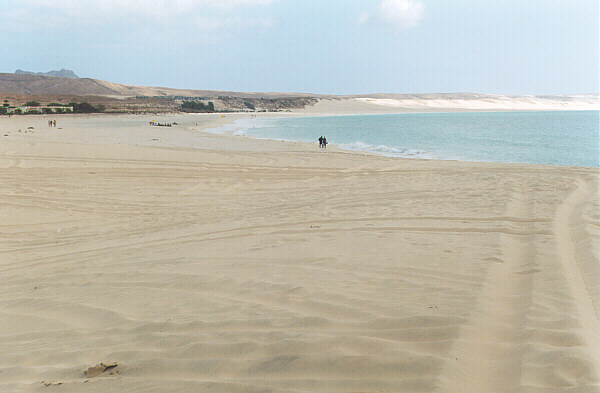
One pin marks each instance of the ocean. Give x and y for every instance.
(555, 138)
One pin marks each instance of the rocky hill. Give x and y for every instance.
(19, 88)
(46, 85)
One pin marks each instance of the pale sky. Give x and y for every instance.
(314, 46)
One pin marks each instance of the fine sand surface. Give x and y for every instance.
(208, 263)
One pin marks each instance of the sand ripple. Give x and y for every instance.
(295, 272)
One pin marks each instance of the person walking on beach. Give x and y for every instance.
(54, 123)
(324, 143)
(321, 141)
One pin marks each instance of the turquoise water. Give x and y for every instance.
(558, 138)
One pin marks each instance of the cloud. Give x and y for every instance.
(397, 14)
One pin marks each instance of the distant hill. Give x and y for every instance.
(62, 73)
(157, 99)
(35, 84)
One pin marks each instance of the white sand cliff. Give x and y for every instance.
(394, 103)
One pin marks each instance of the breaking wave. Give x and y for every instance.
(387, 150)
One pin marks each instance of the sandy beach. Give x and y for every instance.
(191, 262)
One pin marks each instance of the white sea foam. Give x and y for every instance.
(525, 137)
(240, 126)
(244, 126)
(387, 150)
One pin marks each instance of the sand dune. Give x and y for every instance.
(394, 103)
(224, 264)
(494, 102)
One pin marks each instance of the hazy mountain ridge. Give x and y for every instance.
(62, 73)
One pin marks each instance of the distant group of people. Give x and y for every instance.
(153, 123)
(322, 142)
(51, 123)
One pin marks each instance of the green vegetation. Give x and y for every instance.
(3, 110)
(193, 106)
(32, 103)
(85, 107)
(249, 105)
(18, 111)
(47, 110)
(6, 104)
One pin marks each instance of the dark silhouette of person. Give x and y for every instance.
(324, 143)
(320, 141)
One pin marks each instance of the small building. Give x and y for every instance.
(44, 109)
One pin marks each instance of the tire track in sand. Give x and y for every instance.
(570, 241)
(487, 354)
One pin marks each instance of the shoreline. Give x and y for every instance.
(230, 129)
(203, 129)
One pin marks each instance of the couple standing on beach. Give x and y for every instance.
(323, 142)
